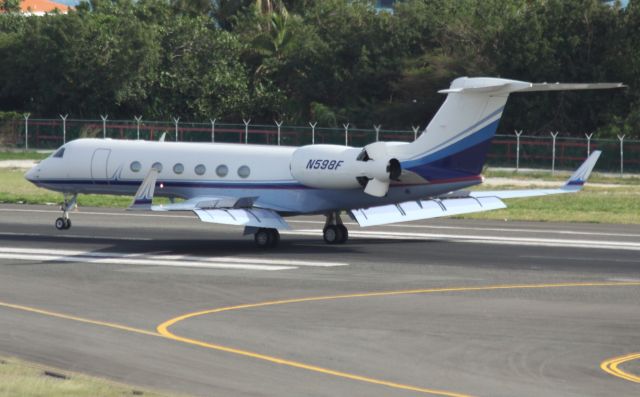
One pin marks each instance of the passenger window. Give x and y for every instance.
(200, 169)
(244, 171)
(178, 168)
(135, 166)
(157, 166)
(59, 153)
(222, 170)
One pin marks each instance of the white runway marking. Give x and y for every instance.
(402, 225)
(500, 240)
(142, 259)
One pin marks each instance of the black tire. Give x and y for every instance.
(332, 234)
(345, 234)
(275, 238)
(60, 223)
(67, 223)
(263, 238)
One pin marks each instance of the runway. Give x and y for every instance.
(442, 307)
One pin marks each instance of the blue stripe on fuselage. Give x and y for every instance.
(463, 158)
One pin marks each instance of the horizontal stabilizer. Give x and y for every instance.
(423, 209)
(144, 195)
(570, 86)
(251, 217)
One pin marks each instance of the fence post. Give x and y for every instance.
(553, 153)
(415, 132)
(518, 133)
(138, 120)
(26, 131)
(279, 125)
(246, 130)
(313, 132)
(588, 143)
(377, 128)
(346, 134)
(213, 130)
(176, 121)
(621, 139)
(104, 125)
(64, 128)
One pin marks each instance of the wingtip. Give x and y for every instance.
(582, 174)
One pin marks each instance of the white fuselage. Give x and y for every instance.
(197, 170)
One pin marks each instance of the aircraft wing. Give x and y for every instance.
(424, 209)
(574, 183)
(224, 210)
(464, 202)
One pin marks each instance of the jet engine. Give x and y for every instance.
(338, 167)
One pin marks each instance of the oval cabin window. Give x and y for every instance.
(244, 171)
(200, 169)
(222, 170)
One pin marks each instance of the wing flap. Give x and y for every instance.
(424, 209)
(249, 217)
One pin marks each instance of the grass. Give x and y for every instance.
(617, 204)
(18, 378)
(23, 155)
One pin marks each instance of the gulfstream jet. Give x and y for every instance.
(257, 186)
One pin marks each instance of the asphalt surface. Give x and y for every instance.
(474, 308)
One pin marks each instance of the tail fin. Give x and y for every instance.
(456, 141)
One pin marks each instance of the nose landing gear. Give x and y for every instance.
(64, 222)
(334, 231)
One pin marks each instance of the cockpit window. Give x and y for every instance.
(59, 153)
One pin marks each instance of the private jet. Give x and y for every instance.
(258, 186)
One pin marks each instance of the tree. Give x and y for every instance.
(10, 5)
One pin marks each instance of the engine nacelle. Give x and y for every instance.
(326, 166)
(339, 167)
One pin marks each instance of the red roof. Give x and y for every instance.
(42, 6)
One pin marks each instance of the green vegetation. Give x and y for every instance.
(23, 155)
(18, 378)
(594, 204)
(620, 204)
(331, 61)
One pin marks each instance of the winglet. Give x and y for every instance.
(144, 195)
(577, 180)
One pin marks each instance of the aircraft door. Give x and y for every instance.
(99, 165)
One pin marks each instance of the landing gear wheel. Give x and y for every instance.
(332, 234)
(266, 238)
(67, 223)
(61, 224)
(345, 234)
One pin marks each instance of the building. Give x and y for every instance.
(41, 7)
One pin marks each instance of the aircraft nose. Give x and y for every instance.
(32, 174)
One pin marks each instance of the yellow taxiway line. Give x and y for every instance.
(609, 366)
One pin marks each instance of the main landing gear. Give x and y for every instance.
(64, 222)
(267, 238)
(334, 231)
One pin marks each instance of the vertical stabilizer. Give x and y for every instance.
(456, 141)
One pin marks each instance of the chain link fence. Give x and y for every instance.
(540, 152)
